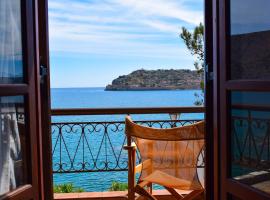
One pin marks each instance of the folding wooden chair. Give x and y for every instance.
(169, 158)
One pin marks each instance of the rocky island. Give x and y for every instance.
(157, 80)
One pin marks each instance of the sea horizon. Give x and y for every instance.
(140, 89)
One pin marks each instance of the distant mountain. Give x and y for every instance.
(157, 80)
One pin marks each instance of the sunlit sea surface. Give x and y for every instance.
(98, 98)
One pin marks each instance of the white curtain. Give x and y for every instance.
(10, 71)
(10, 41)
(10, 146)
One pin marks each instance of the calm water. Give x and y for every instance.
(98, 98)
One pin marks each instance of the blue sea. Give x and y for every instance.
(98, 98)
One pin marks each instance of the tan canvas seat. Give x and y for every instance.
(169, 157)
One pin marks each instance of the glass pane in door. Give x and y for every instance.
(250, 39)
(11, 58)
(13, 169)
(250, 138)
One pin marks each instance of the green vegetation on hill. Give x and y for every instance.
(160, 79)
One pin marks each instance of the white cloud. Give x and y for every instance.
(163, 8)
(120, 27)
(164, 27)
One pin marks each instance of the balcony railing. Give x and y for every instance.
(250, 128)
(97, 146)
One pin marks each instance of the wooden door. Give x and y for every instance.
(243, 99)
(20, 169)
(43, 33)
(45, 107)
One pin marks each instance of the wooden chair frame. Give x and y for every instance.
(139, 188)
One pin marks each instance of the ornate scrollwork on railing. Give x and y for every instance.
(96, 146)
(251, 141)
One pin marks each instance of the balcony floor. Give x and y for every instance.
(118, 195)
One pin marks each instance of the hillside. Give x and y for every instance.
(157, 80)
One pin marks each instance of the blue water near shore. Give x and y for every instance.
(98, 98)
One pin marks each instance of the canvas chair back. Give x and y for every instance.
(169, 155)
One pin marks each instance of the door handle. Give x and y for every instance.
(209, 75)
(43, 72)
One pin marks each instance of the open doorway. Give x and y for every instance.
(112, 58)
(85, 141)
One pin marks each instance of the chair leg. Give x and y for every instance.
(140, 190)
(175, 194)
(131, 194)
(131, 173)
(193, 194)
(150, 188)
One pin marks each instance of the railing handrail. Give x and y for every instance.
(123, 122)
(131, 110)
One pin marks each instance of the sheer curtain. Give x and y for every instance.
(10, 146)
(11, 68)
(10, 72)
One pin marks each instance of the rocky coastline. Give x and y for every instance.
(161, 79)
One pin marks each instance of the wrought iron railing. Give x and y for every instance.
(97, 146)
(250, 127)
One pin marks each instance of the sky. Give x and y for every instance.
(93, 42)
